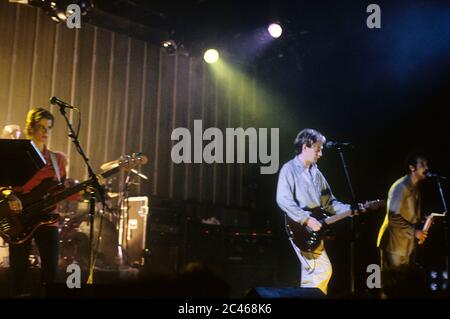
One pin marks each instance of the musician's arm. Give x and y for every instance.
(62, 163)
(68, 183)
(14, 202)
(398, 206)
(328, 201)
(286, 195)
(398, 222)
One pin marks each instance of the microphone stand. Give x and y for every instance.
(354, 206)
(96, 185)
(124, 210)
(445, 221)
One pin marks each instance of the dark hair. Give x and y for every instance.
(413, 159)
(307, 137)
(35, 115)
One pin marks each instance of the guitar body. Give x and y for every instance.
(308, 240)
(18, 226)
(303, 237)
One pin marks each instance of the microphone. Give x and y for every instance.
(55, 100)
(331, 144)
(434, 175)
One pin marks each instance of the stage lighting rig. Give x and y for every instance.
(57, 9)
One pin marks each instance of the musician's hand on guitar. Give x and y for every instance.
(362, 208)
(313, 224)
(15, 204)
(421, 236)
(101, 179)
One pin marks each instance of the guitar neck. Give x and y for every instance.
(369, 205)
(427, 224)
(53, 200)
(335, 218)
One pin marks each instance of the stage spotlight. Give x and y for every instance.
(56, 9)
(211, 56)
(57, 15)
(275, 30)
(170, 46)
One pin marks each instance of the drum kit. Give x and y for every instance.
(74, 235)
(74, 226)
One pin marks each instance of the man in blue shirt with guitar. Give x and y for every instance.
(306, 198)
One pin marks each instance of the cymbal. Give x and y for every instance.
(109, 165)
(139, 174)
(126, 161)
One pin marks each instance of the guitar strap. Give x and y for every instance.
(55, 165)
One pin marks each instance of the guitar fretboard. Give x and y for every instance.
(337, 217)
(53, 200)
(370, 205)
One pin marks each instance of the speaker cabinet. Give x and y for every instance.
(133, 229)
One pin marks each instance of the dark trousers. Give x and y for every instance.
(402, 277)
(47, 240)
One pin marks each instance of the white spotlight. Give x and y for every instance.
(211, 56)
(170, 46)
(275, 30)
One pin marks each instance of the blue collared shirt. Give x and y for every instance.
(299, 188)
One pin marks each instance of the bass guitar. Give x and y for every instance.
(18, 225)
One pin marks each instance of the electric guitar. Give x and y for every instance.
(307, 239)
(18, 225)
